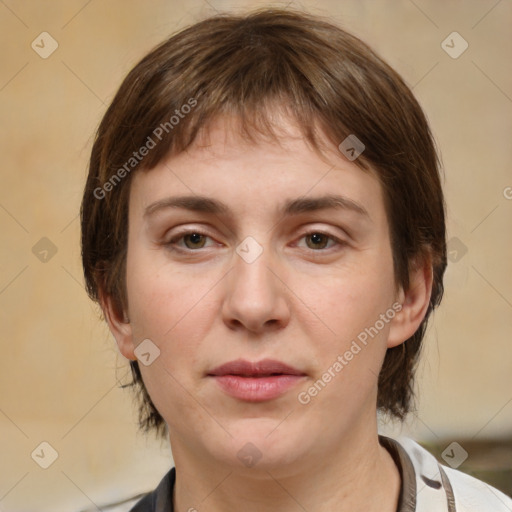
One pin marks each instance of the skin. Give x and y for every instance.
(302, 301)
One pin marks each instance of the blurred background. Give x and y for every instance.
(60, 371)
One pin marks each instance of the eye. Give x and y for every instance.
(316, 240)
(191, 239)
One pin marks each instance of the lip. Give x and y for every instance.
(256, 381)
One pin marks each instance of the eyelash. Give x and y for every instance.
(171, 244)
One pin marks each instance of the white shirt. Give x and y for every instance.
(428, 486)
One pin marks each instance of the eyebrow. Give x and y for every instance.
(291, 207)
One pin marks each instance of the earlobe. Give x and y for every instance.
(414, 301)
(119, 325)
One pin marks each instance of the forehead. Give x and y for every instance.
(272, 130)
(263, 172)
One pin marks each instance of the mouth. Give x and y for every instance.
(258, 381)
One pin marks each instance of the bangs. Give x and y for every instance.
(250, 75)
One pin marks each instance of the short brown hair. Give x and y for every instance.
(241, 65)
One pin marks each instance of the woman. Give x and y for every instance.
(263, 226)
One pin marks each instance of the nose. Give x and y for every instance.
(256, 296)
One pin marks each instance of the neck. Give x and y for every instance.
(339, 480)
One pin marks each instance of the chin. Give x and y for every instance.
(258, 444)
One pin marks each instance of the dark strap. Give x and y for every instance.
(160, 500)
(450, 498)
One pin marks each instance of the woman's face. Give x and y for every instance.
(257, 269)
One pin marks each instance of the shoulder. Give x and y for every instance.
(464, 492)
(472, 494)
(160, 500)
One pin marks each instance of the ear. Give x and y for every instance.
(414, 302)
(119, 325)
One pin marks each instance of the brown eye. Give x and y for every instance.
(318, 240)
(197, 240)
(188, 241)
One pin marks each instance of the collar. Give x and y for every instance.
(425, 485)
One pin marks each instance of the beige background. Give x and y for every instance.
(59, 364)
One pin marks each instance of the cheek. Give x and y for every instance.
(172, 308)
(346, 332)
(347, 302)
(349, 344)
